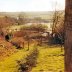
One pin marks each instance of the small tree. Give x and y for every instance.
(21, 19)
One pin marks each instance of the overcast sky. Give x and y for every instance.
(31, 5)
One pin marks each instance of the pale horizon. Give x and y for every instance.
(31, 5)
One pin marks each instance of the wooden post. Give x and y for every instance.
(68, 36)
(23, 45)
(28, 44)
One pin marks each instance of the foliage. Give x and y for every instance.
(58, 21)
(58, 25)
(30, 61)
(37, 27)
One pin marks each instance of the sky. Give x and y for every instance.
(31, 5)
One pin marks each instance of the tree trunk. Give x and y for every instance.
(68, 36)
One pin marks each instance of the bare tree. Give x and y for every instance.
(58, 24)
(21, 18)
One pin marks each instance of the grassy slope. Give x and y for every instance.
(10, 63)
(49, 60)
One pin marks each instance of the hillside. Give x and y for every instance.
(48, 59)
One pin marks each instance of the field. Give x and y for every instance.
(24, 43)
(48, 59)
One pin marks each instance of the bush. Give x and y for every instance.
(30, 61)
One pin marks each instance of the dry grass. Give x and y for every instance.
(6, 49)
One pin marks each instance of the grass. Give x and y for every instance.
(10, 63)
(50, 60)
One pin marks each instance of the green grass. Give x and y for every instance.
(49, 60)
(10, 63)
